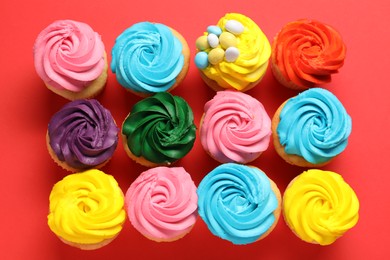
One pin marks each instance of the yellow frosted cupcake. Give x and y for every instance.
(319, 206)
(232, 54)
(87, 209)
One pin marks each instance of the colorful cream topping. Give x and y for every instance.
(68, 55)
(314, 125)
(235, 127)
(237, 203)
(234, 53)
(162, 203)
(308, 52)
(320, 206)
(86, 208)
(83, 134)
(160, 128)
(147, 58)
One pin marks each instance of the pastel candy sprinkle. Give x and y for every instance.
(216, 55)
(227, 40)
(231, 54)
(201, 60)
(202, 43)
(234, 26)
(213, 40)
(214, 30)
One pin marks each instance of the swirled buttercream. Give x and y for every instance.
(314, 125)
(86, 208)
(237, 203)
(162, 203)
(83, 134)
(160, 128)
(235, 127)
(252, 62)
(319, 206)
(69, 55)
(306, 53)
(147, 58)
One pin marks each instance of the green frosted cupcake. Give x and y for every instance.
(159, 130)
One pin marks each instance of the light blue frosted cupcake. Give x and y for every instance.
(311, 129)
(148, 58)
(239, 203)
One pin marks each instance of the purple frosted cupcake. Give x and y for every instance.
(82, 135)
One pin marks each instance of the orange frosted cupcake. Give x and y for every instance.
(305, 53)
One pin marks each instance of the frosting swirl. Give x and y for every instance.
(235, 128)
(237, 203)
(147, 58)
(162, 203)
(69, 55)
(320, 206)
(251, 64)
(314, 125)
(160, 128)
(83, 134)
(86, 208)
(308, 52)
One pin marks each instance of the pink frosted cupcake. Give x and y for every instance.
(235, 127)
(71, 60)
(162, 203)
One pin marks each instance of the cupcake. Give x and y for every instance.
(319, 206)
(311, 129)
(159, 130)
(232, 54)
(148, 58)
(239, 203)
(82, 135)
(71, 60)
(162, 203)
(305, 54)
(235, 127)
(87, 209)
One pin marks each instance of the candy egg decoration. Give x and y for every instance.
(218, 44)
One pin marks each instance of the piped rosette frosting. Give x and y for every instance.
(233, 53)
(314, 125)
(162, 203)
(147, 58)
(235, 127)
(87, 209)
(82, 135)
(68, 55)
(305, 53)
(160, 129)
(319, 206)
(238, 203)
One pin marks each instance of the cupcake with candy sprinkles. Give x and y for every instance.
(148, 58)
(232, 54)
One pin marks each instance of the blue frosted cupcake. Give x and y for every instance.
(148, 58)
(311, 129)
(239, 203)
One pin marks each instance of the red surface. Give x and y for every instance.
(28, 173)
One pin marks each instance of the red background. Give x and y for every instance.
(28, 174)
